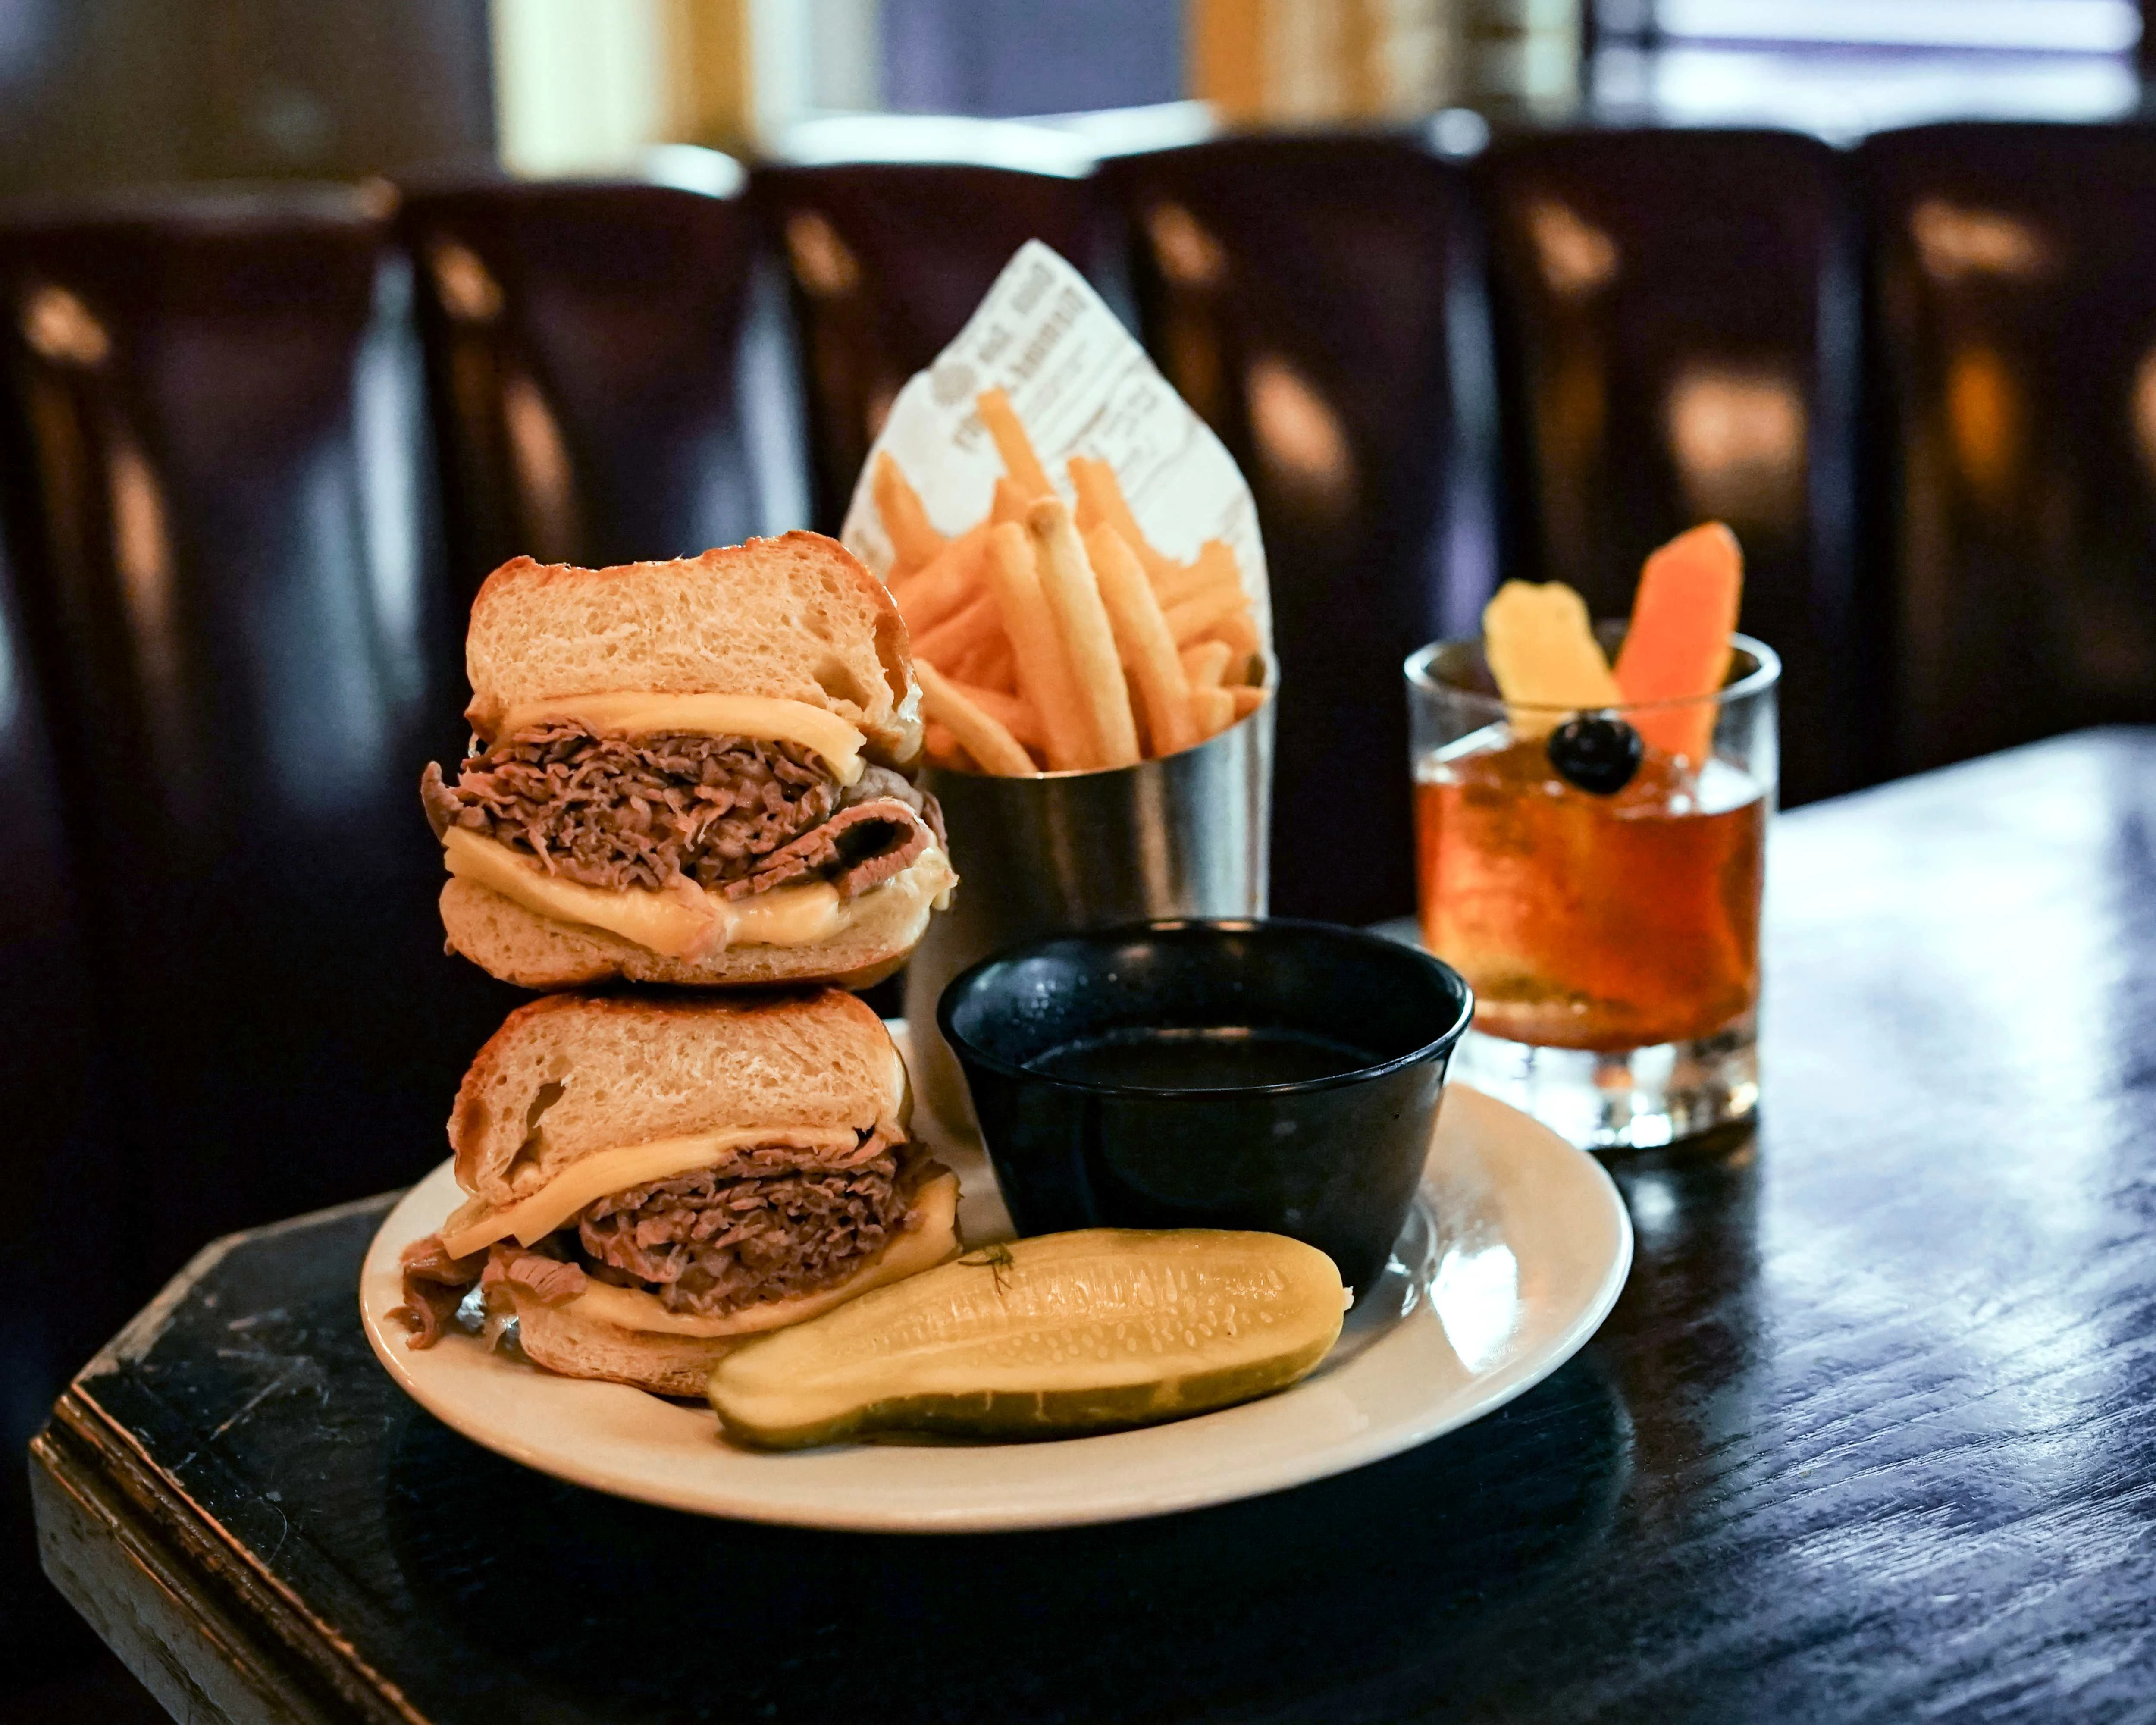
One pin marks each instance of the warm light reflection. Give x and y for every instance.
(544, 478)
(469, 292)
(823, 262)
(142, 558)
(1576, 257)
(1738, 439)
(877, 409)
(2144, 409)
(1299, 437)
(1188, 256)
(1476, 1296)
(1983, 419)
(1955, 242)
(59, 327)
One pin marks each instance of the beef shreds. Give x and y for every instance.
(551, 1280)
(857, 849)
(761, 1223)
(712, 1242)
(729, 813)
(435, 1284)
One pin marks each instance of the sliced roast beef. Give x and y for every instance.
(435, 1284)
(880, 784)
(708, 1244)
(856, 849)
(762, 1223)
(551, 1280)
(727, 813)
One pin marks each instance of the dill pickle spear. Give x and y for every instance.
(1051, 1337)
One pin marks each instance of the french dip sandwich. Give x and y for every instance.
(653, 1182)
(694, 772)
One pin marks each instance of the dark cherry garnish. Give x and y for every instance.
(1597, 751)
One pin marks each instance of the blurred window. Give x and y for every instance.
(2046, 26)
(1844, 68)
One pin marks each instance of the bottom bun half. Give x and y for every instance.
(518, 945)
(573, 1339)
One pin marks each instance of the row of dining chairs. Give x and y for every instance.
(257, 449)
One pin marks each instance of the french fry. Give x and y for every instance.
(972, 622)
(1212, 709)
(1215, 563)
(1014, 712)
(1248, 700)
(941, 589)
(943, 748)
(1067, 581)
(1011, 501)
(1101, 504)
(1142, 637)
(1241, 635)
(989, 666)
(978, 733)
(1012, 443)
(1044, 676)
(914, 540)
(1206, 664)
(1202, 613)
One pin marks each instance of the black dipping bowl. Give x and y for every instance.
(1333, 1161)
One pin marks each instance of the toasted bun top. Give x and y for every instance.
(797, 617)
(572, 1075)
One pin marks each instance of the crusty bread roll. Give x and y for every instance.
(796, 618)
(571, 1075)
(562, 1340)
(604, 1082)
(519, 946)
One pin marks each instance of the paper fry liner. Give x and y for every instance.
(1081, 387)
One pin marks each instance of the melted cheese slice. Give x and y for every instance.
(923, 1246)
(768, 718)
(678, 921)
(479, 1225)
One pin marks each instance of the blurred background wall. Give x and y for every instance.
(106, 93)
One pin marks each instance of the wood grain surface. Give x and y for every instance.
(1872, 1434)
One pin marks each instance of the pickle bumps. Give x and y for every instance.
(1056, 1335)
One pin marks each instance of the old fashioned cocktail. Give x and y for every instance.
(1601, 892)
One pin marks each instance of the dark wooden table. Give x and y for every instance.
(1870, 1436)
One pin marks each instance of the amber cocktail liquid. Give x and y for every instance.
(1612, 939)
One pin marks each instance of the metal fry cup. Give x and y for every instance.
(1182, 836)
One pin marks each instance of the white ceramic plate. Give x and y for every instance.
(1515, 1252)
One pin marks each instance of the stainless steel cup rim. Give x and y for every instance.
(1393, 950)
(1419, 666)
(1057, 775)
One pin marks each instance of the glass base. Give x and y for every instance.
(1631, 1098)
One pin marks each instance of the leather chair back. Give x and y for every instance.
(66, 1191)
(586, 345)
(1677, 322)
(887, 260)
(2014, 331)
(1310, 298)
(213, 411)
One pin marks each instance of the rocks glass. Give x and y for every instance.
(1611, 934)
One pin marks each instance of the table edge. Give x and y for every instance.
(82, 1467)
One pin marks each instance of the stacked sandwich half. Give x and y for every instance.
(696, 773)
